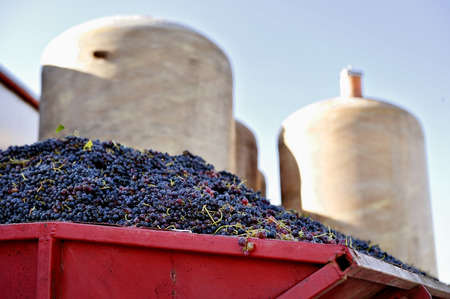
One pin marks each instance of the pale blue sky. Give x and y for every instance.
(286, 54)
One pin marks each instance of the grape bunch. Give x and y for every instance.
(80, 180)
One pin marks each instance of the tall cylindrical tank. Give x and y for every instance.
(146, 82)
(247, 159)
(290, 182)
(361, 167)
(261, 183)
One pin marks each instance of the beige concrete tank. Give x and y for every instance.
(262, 183)
(361, 167)
(290, 182)
(146, 82)
(247, 159)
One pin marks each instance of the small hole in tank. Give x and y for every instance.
(100, 54)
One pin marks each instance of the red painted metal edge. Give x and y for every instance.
(273, 249)
(50, 236)
(49, 260)
(334, 265)
(317, 283)
(25, 231)
(15, 87)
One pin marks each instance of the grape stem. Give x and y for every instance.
(210, 216)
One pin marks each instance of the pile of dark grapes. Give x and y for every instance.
(80, 180)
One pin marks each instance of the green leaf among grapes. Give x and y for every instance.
(59, 128)
(88, 145)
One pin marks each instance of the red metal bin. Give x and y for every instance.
(70, 260)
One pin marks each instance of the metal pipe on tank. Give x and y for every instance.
(350, 83)
(359, 165)
(143, 81)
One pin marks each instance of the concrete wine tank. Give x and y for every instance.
(146, 82)
(359, 165)
(247, 159)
